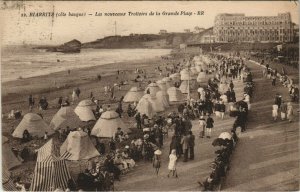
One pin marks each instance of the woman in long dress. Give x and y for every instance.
(290, 113)
(275, 112)
(172, 163)
(157, 160)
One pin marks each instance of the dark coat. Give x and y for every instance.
(209, 122)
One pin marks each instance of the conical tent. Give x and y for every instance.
(145, 107)
(175, 77)
(175, 95)
(133, 95)
(201, 77)
(152, 88)
(9, 160)
(7, 181)
(163, 98)
(35, 125)
(78, 146)
(162, 85)
(49, 174)
(185, 86)
(108, 124)
(185, 75)
(194, 71)
(85, 110)
(64, 117)
(168, 82)
(156, 105)
(46, 150)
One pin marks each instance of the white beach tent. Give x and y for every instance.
(185, 86)
(84, 110)
(133, 95)
(163, 98)
(108, 124)
(78, 146)
(175, 77)
(168, 82)
(162, 85)
(145, 107)
(35, 125)
(201, 77)
(194, 71)
(153, 88)
(156, 105)
(185, 75)
(64, 117)
(9, 160)
(175, 95)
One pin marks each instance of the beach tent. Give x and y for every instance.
(153, 88)
(133, 95)
(185, 75)
(184, 86)
(163, 98)
(78, 146)
(168, 82)
(49, 174)
(9, 159)
(35, 125)
(201, 77)
(156, 105)
(108, 124)
(175, 77)
(162, 85)
(175, 95)
(85, 109)
(194, 71)
(7, 181)
(46, 150)
(64, 117)
(145, 107)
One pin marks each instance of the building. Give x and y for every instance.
(163, 31)
(187, 30)
(198, 29)
(241, 28)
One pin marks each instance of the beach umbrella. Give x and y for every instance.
(108, 124)
(133, 95)
(225, 135)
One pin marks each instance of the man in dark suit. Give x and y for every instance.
(185, 146)
(191, 144)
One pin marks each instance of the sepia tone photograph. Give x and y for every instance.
(150, 95)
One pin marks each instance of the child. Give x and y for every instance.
(275, 112)
(202, 124)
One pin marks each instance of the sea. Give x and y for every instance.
(17, 63)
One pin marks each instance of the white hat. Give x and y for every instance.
(126, 147)
(157, 152)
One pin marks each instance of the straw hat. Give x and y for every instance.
(157, 152)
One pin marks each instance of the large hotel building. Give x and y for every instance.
(241, 28)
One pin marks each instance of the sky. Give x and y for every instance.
(41, 30)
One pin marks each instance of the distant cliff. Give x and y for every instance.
(73, 46)
(169, 40)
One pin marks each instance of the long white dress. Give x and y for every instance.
(172, 162)
(275, 111)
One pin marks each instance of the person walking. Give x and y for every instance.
(273, 80)
(222, 109)
(202, 124)
(185, 147)
(172, 164)
(191, 145)
(30, 102)
(209, 126)
(283, 110)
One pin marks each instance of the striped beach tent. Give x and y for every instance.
(49, 174)
(46, 150)
(7, 182)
